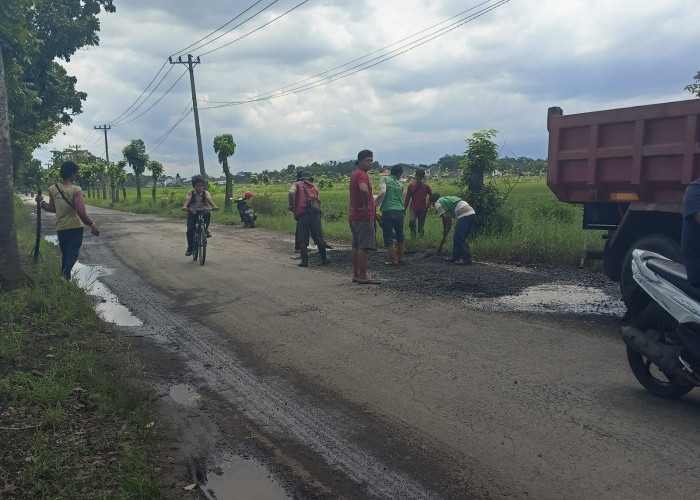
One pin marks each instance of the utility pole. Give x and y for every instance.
(190, 63)
(75, 155)
(106, 128)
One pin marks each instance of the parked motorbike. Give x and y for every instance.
(663, 339)
(245, 211)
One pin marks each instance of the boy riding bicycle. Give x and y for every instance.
(197, 200)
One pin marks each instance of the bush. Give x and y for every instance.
(265, 204)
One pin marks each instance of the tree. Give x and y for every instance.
(85, 177)
(136, 157)
(449, 163)
(156, 169)
(694, 88)
(120, 177)
(10, 268)
(35, 36)
(224, 147)
(480, 159)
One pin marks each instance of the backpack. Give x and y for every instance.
(313, 204)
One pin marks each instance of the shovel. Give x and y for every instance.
(429, 253)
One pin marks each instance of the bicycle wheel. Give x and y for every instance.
(202, 245)
(195, 244)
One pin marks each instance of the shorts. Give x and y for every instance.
(363, 234)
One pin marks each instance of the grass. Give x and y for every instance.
(537, 227)
(69, 424)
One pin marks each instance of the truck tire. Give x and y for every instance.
(632, 295)
(612, 261)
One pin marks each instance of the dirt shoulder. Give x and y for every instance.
(504, 404)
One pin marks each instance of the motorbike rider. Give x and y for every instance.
(197, 200)
(242, 206)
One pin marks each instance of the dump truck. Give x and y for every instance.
(629, 168)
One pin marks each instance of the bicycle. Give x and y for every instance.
(199, 244)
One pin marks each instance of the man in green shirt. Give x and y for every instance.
(390, 201)
(453, 207)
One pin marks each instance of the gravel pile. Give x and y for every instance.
(485, 284)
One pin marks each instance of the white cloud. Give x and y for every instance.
(501, 70)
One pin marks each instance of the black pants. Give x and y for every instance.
(309, 223)
(191, 223)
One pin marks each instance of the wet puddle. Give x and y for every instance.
(107, 304)
(562, 298)
(241, 478)
(185, 395)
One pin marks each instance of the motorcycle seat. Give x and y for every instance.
(675, 274)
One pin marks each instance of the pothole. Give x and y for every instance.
(185, 395)
(238, 477)
(561, 298)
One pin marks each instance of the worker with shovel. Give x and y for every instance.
(453, 207)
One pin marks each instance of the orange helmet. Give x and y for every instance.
(248, 195)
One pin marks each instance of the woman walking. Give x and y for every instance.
(66, 201)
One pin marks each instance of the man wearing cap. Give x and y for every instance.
(361, 217)
(304, 203)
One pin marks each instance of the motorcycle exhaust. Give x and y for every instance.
(667, 357)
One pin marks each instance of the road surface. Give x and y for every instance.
(360, 391)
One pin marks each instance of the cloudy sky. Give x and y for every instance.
(432, 73)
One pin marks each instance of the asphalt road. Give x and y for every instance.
(359, 391)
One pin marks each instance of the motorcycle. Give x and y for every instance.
(245, 211)
(663, 339)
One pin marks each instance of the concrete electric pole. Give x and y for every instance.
(106, 128)
(190, 63)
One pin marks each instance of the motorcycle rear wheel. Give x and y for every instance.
(653, 379)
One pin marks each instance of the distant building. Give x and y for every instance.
(409, 169)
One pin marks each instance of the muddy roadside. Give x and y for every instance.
(397, 391)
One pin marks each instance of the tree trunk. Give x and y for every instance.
(154, 189)
(113, 191)
(476, 178)
(229, 187)
(10, 264)
(138, 188)
(104, 189)
(124, 190)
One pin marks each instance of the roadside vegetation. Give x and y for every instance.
(70, 426)
(531, 225)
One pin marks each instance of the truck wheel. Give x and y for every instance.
(632, 295)
(612, 261)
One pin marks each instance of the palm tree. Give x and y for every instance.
(135, 155)
(156, 169)
(224, 147)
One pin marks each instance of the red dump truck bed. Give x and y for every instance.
(645, 154)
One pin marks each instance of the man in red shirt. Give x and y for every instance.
(416, 194)
(361, 217)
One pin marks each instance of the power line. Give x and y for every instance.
(230, 30)
(354, 60)
(162, 138)
(256, 29)
(298, 87)
(159, 99)
(119, 120)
